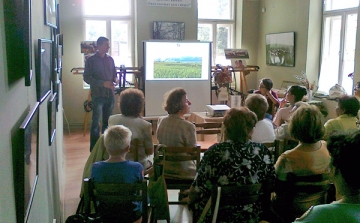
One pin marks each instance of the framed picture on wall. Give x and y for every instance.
(17, 21)
(169, 30)
(50, 13)
(25, 161)
(52, 118)
(280, 49)
(44, 68)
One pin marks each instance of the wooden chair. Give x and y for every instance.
(116, 196)
(239, 195)
(207, 128)
(178, 154)
(275, 149)
(299, 193)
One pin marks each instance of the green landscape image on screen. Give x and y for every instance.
(184, 67)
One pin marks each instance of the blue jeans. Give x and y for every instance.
(102, 108)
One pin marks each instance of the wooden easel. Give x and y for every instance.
(138, 83)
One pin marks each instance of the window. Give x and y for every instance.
(338, 46)
(112, 19)
(216, 23)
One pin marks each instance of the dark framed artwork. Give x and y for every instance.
(44, 68)
(25, 141)
(52, 118)
(169, 30)
(280, 49)
(17, 20)
(50, 13)
(57, 19)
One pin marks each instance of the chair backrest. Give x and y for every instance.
(239, 195)
(274, 148)
(208, 127)
(299, 193)
(180, 154)
(118, 193)
(134, 148)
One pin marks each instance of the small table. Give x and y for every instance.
(201, 117)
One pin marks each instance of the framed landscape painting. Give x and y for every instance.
(169, 30)
(280, 49)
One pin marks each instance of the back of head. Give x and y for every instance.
(173, 100)
(101, 40)
(239, 122)
(349, 104)
(116, 139)
(345, 153)
(298, 91)
(267, 83)
(132, 102)
(258, 104)
(307, 124)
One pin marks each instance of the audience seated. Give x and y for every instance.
(175, 130)
(345, 153)
(131, 107)
(294, 94)
(264, 129)
(117, 169)
(235, 161)
(309, 157)
(282, 132)
(346, 110)
(271, 96)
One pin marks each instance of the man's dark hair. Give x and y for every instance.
(101, 40)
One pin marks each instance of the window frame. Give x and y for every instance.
(128, 19)
(343, 13)
(214, 24)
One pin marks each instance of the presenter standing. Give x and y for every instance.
(100, 74)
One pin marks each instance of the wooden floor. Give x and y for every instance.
(76, 147)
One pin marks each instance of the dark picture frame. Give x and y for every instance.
(169, 30)
(25, 155)
(44, 68)
(50, 12)
(280, 49)
(17, 20)
(52, 118)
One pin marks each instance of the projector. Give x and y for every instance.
(216, 110)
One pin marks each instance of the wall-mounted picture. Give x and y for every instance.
(236, 54)
(88, 47)
(17, 21)
(44, 68)
(52, 118)
(280, 49)
(169, 30)
(50, 13)
(25, 161)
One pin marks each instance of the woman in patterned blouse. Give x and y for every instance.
(235, 161)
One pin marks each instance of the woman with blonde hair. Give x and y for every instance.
(309, 157)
